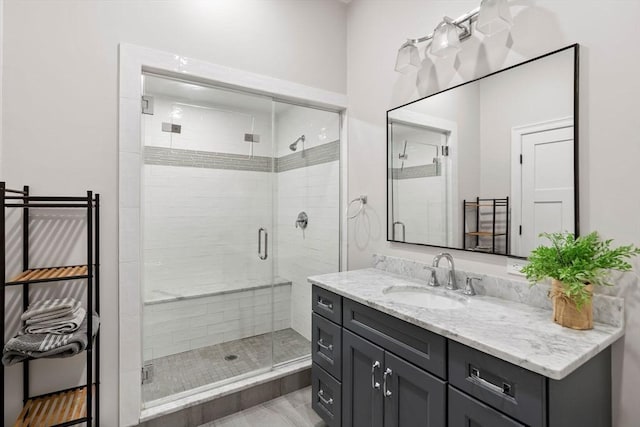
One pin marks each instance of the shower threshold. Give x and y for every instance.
(186, 373)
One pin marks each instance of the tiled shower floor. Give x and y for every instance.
(184, 371)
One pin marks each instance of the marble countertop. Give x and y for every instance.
(520, 334)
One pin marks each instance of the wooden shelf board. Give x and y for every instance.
(484, 233)
(54, 409)
(50, 274)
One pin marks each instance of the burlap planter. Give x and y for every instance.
(565, 312)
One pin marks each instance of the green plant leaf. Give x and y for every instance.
(577, 261)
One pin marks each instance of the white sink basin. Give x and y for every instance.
(423, 297)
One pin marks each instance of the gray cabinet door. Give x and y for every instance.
(412, 397)
(362, 404)
(465, 411)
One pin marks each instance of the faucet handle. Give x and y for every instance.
(468, 288)
(431, 277)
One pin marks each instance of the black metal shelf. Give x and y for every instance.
(496, 209)
(78, 404)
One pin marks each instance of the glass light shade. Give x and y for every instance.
(445, 40)
(408, 58)
(494, 16)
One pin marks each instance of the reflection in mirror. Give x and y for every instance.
(488, 165)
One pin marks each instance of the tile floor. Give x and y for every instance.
(290, 410)
(184, 371)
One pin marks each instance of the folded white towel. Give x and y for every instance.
(54, 315)
(57, 326)
(60, 307)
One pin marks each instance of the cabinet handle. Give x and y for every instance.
(506, 388)
(385, 390)
(325, 305)
(322, 345)
(323, 400)
(374, 384)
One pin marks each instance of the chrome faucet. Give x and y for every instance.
(451, 283)
(469, 289)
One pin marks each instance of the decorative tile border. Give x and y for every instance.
(324, 153)
(212, 160)
(205, 159)
(423, 171)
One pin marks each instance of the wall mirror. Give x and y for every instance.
(490, 164)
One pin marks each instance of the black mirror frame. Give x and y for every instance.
(576, 74)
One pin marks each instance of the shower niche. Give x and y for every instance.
(225, 294)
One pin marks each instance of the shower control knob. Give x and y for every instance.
(302, 220)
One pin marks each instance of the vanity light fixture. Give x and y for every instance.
(408, 57)
(446, 37)
(491, 16)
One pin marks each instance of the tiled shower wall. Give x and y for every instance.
(314, 188)
(201, 222)
(203, 204)
(172, 327)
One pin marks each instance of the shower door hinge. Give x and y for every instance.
(147, 104)
(445, 150)
(147, 373)
(520, 230)
(520, 158)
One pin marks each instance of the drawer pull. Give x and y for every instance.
(505, 388)
(322, 345)
(328, 305)
(386, 391)
(322, 398)
(374, 384)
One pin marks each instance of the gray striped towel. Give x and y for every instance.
(57, 325)
(24, 346)
(46, 309)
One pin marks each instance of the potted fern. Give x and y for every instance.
(574, 266)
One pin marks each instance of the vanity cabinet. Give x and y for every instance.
(466, 411)
(391, 373)
(380, 389)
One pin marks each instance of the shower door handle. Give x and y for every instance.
(266, 243)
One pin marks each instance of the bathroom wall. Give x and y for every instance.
(548, 95)
(609, 142)
(314, 189)
(61, 67)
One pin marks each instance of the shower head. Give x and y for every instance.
(294, 146)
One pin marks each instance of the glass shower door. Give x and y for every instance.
(207, 237)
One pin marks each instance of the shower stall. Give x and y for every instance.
(227, 176)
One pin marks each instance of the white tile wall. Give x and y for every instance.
(201, 226)
(182, 325)
(216, 128)
(315, 250)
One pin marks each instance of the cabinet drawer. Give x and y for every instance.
(465, 411)
(509, 388)
(327, 304)
(326, 345)
(419, 346)
(326, 398)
